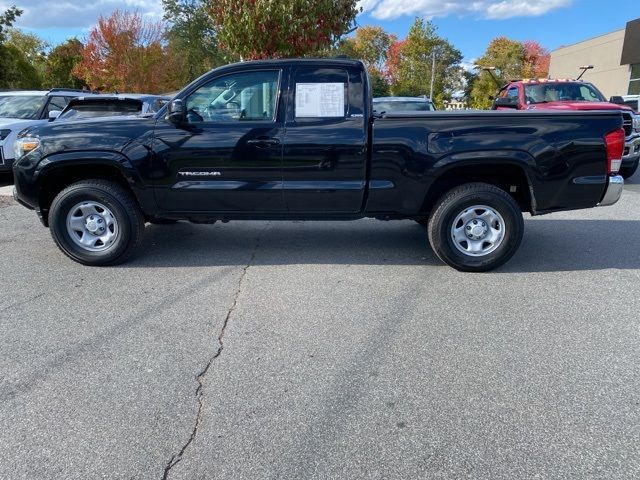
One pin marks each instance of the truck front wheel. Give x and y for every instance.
(475, 227)
(96, 222)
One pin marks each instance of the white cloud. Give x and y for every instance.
(493, 9)
(74, 14)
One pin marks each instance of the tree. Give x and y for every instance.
(15, 69)
(124, 52)
(7, 19)
(510, 59)
(191, 33)
(370, 44)
(60, 64)
(536, 60)
(32, 50)
(409, 64)
(255, 29)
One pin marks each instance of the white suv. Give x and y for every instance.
(20, 109)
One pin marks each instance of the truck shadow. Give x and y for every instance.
(548, 245)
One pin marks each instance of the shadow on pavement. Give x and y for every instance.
(548, 245)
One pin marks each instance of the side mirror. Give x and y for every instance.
(505, 102)
(618, 100)
(177, 112)
(53, 114)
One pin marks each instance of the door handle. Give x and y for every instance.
(263, 142)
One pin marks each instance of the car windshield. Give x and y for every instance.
(101, 109)
(404, 106)
(21, 106)
(562, 92)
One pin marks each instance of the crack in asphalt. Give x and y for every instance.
(175, 459)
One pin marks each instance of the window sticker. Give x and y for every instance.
(319, 100)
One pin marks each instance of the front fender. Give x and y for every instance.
(89, 158)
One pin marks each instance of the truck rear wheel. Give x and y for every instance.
(96, 222)
(475, 227)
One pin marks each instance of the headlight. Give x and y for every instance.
(4, 133)
(636, 123)
(25, 145)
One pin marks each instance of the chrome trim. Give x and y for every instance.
(613, 191)
(631, 144)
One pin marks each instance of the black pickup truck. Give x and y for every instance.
(298, 139)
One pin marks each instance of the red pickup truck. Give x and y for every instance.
(563, 94)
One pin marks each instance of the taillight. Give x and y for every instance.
(615, 146)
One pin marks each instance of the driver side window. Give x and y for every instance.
(237, 97)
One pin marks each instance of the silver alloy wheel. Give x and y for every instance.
(92, 226)
(478, 230)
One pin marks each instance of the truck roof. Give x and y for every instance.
(294, 61)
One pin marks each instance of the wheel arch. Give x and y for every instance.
(57, 172)
(510, 171)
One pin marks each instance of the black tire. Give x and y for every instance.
(453, 203)
(122, 205)
(628, 172)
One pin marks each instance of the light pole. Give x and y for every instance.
(433, 71)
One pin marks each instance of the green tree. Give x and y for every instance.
(60, 64)
(7, 19)
(255, 29)
(410, 65)
(370, 44)
(506, 59)
(15, 69)
(32, 50)
(191, 33)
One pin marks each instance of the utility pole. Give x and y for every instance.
(433, 71)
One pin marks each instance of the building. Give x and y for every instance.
(615, 58)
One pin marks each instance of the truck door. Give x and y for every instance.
(324, 158)
(228, 156)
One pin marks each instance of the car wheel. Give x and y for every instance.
(96, 222)
(475, 227)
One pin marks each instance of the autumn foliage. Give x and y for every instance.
(256, 29)
(126, 53)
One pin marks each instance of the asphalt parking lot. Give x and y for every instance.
(323, 350)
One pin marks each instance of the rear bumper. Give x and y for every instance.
(613, 192)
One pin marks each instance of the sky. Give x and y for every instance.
(468, 24)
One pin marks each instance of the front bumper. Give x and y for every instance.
(631, 152)
(613, 191)
(5, 163)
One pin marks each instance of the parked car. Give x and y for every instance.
(112, 105)
(297, 139)
(632, 101)
(403, 104)
(23, 108)
(546, 94)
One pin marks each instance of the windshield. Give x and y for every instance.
(562, 92)
(101, 109)
(21, 106)
(403, 106)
